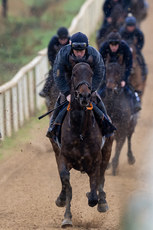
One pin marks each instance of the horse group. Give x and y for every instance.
(83, 147)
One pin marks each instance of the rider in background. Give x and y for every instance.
(76, 52)
(133, 35)
(107, 10)
(127, 5)
(56, 43)
(116, 50)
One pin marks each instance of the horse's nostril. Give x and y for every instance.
(89, 95)
(81, 96)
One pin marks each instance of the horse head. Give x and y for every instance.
(82, 83)
(113, 77)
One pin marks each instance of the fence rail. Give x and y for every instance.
(19, 98)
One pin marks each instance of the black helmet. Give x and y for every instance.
(62, 32)
(130, 21)
(114, 38)
(79, 41)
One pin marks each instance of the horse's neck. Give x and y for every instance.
(117, 105)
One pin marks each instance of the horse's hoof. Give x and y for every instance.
(87, 194)
(60, 203)
(102, 207)
(109, 166)
(66, 223)
(92, 201)
(131, 160)
(114, 171)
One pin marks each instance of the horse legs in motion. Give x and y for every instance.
(119, 109)
(131, 158)
(106, 153)
(81, 145)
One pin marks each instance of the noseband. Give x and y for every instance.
(82, 83)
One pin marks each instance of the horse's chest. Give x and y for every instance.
(81, 155)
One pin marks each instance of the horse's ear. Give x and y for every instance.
(71, 60)
(90, 60)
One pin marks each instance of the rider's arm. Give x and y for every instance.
(128, 62)
(140, 39)
(99, 71)
(59, 73)
(104, 50)
(51, 51)
(107, 8)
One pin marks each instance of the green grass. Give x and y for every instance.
(24, 135)
(22, 37)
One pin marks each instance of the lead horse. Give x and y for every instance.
(81, 145)
(118, 106)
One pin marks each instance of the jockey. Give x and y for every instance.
(127, 5)
(56, 43)
(132, 34)
(80, 51)
(107, 9)
(116, 50)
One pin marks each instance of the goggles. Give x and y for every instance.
(114, 43)
(79, 45)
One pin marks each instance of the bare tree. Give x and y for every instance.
(4, 8)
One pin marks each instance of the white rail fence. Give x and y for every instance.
(19, 97)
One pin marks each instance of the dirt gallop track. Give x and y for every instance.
(29, 183)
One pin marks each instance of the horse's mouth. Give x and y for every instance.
(84, 103)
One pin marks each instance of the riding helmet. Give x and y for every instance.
(79, 41)
(130, 21)
(114, 37)
(62, 32)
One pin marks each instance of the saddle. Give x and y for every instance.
(103, 121)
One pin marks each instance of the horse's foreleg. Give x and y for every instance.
(65, 178)
(131, 158)
(94, 182)
(106, 153)
(119, 144)
(66, 187)
(61, 200)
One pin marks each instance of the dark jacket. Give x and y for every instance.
(53, 47)
(108, 7)
(136, 36)
(123, 51)
(126, 5)
(63, 69)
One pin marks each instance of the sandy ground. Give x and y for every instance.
(29, 182)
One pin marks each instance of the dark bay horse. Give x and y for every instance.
(139, 9)
(118, 107)
(118, 16)
(81, 145)
(53, 92)
(136, 79)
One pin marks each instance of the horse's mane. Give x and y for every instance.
(113, 68)
(82, 65)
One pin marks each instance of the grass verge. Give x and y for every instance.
(22, 37)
